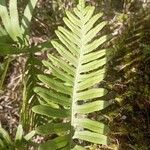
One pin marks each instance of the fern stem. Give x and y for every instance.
(5, 72)
(73, 113)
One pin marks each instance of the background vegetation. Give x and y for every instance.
(128, 70)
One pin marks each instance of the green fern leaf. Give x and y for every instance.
(19, 133)
(14, 18)
(72, 84)
(5, 18)
(27, 16)
(10, 19)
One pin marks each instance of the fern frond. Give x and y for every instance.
(10, 19)
(73, 83)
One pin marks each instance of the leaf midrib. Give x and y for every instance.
(76, 79)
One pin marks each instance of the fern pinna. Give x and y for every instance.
(71, 92)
